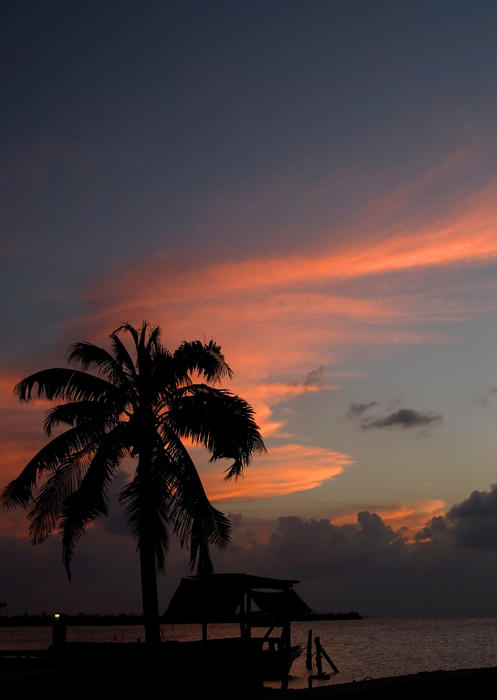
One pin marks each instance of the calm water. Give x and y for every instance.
(361, 649)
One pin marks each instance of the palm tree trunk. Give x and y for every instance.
(148, 564)
(149, 593)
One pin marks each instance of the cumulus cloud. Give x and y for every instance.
(449, 569)
(370, 566)
(409, 517)
(434, 527)
(473, 522)
(401, 418)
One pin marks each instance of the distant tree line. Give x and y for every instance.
(83, 619)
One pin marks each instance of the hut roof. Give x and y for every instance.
(217, 597)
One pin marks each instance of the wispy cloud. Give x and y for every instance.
(357, 410)
(285, 469)
(280, 317)
(313, 379)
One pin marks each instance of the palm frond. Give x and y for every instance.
(122, 355)
(143, 335)
(66, 384)
(153, 344)
(194, 518)
(89, 501)
(56, 453)
(45, 512)
(78, 412)
(129, 329)
(200, 553)
(217, 419)
(219, 527)
(91, 356)
(205, 359)
(164, 377)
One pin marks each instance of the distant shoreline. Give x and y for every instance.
(124, 619)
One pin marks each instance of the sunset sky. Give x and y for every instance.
(312, 184)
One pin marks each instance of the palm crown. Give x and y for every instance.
(141, 405)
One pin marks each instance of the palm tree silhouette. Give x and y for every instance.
(141, 406)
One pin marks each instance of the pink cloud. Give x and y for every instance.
(469, 236)
(285, 469)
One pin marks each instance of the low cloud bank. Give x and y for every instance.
(449, 569)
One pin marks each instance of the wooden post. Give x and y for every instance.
(308, 656)
(248, 613)
(285, 645)
(242, 616)
(59, 631)
(319, 665)
(322, 652)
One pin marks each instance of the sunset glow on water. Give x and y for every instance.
(374, 648)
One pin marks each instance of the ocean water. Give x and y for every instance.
(371, 648)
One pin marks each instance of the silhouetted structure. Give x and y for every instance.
(251, 601)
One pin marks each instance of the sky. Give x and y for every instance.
(314, 186)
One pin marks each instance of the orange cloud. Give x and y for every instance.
(261, 292)
(412, 516)
(280, 317)
(286, 469)
(469, 236)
